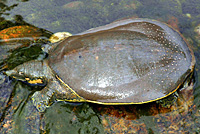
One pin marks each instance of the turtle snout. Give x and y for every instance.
(15, 74)
(10, 72)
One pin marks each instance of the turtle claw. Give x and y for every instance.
(42, 99)
(41, 107)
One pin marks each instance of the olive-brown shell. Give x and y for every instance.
(125, 62)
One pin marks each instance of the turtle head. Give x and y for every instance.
(32, 73)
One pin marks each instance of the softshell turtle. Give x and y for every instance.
(131, 61)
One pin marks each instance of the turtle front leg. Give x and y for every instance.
(44, 98)
(54, 91)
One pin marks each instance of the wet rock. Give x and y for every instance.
(73, 5)
(133, 4)
(197, 31)
(173, 21)
(19, 32)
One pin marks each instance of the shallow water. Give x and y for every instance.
(17, 113)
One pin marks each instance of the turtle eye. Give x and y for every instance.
(21, 73)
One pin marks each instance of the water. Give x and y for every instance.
(17, 112)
